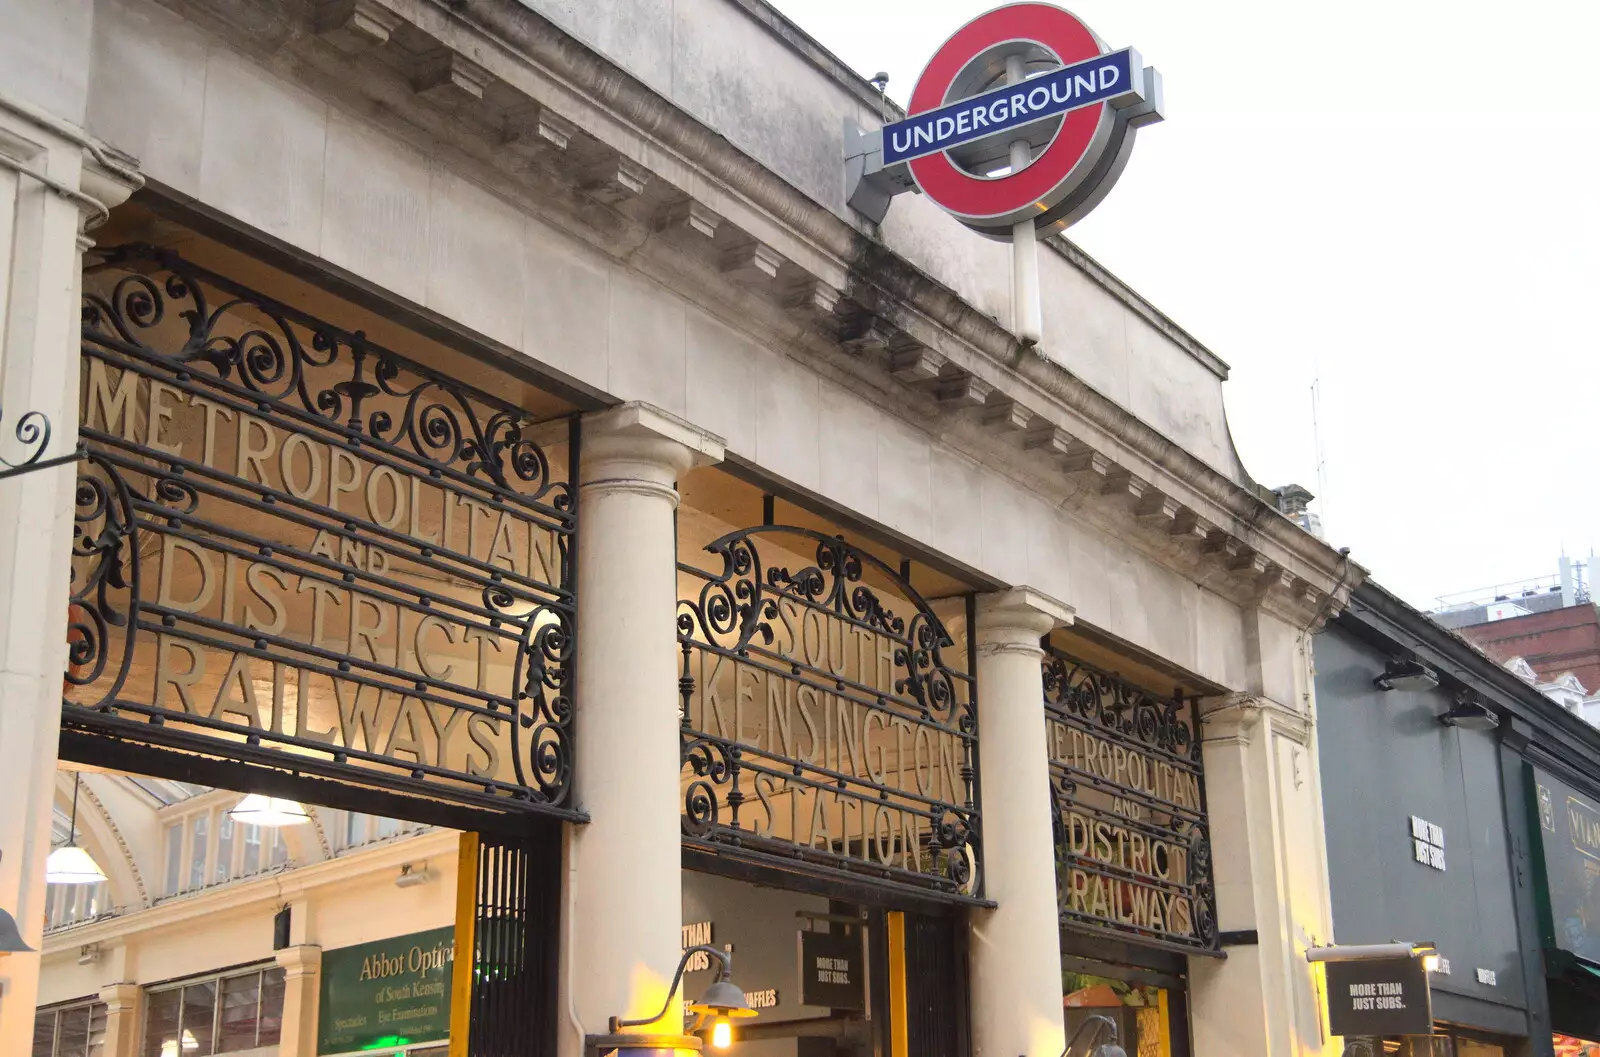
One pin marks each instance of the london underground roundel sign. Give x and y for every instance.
(1023, 113)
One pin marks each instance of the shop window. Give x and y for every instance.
(207, 847)
(1141, 1012)
(1442, 1044)
(76, 1029)
(219, 1014)
(71, 904)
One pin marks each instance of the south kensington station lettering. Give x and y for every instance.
(815, 716)
(828, 731)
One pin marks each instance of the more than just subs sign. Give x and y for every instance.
(1384, 996)
(831, 970)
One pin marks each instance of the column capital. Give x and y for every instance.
(119, 998)
(1017, 618)
(300, 960)
(1232, 719)
(641, 448)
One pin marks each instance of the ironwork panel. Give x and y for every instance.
(826, 716)
(1133, 848)
(295, 547)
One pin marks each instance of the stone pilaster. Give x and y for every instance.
(1016, 948)
(624, 936)
(1264, 795)
(50, 185)
(302, 974)
(123, 1014)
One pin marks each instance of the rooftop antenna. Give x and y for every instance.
(1316, 440)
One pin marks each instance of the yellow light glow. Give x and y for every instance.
(721, 1033)
(1430, 963)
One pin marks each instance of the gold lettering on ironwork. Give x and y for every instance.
(1124, 766)
(215, 413)
(160, 416)
(110, 407)
(1130, 810)
(282, 626)
(181, 682)
(821, 699)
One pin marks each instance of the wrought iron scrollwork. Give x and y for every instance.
(105, 599)
(302, 546)
(32, 433)
(1133, 849)
(1116, 706)
(287, 358)
(850, 692)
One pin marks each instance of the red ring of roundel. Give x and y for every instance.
(977, 198)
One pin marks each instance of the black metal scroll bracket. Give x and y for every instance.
(723, 973)
(33, 431)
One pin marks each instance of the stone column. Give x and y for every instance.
(302, 973)
(48, 187)
(1016, 948)
(122, 1019)
(624, 933)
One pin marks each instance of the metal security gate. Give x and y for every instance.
(937, 1018)
(508, 923)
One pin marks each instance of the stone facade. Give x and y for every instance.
(639, 207)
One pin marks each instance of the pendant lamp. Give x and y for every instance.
(258, 810)
(70, 864)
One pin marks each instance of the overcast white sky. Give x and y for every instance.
(1402, 196)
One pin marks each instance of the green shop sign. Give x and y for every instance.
(386, 995)
(1569, 842)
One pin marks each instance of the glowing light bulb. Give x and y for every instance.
(721, 1033)
(1430, 963)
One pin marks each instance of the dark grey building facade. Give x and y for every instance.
(1452, 792)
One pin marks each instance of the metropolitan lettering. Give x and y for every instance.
(317, 572)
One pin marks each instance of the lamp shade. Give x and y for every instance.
(10, 937)
(723, 999)
(71, 865)
(258, 810)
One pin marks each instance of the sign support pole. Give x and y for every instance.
(1026, 312)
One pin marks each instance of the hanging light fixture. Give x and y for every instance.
(70, 864)
(258, 810)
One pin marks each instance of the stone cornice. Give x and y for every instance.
(818, 55)
(581, 143)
